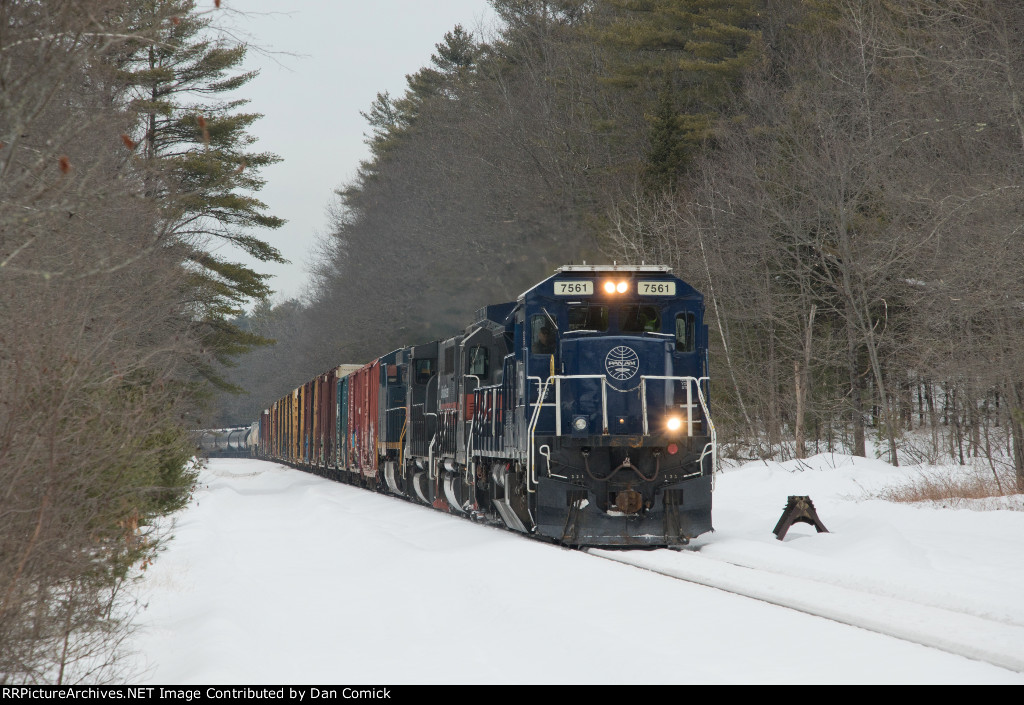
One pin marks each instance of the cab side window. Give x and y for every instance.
(424, 371)
(542, 336)
(684, 332)
(478, 361)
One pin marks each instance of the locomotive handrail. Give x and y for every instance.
(401, 436)
(558, 400)
(430, 459)
(469, 447)
(697, 382)
(709, 448)
(401, 442)
(542, 393)
(689, 398)
(690, 382)
(494, 410)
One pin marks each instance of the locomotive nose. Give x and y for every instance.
(622, 360)
(604, 396)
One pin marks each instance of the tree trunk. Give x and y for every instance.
(857, 409)
(798, 425)
(800, 377)
(1016, 409)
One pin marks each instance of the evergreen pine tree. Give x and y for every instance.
(686, 57)
(390, 118)
(667, 153)
(196, 150)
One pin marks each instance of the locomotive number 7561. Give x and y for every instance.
(657, 289)
(574, 288)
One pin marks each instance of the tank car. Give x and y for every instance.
(577, 414)
(225, 442)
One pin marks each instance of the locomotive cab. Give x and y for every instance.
(620, 445)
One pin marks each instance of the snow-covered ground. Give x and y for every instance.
(277, 576)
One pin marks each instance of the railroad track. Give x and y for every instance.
(953, 631)
(947, 628)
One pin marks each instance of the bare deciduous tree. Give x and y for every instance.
(94, 384)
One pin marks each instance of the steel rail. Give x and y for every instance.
(953, 631)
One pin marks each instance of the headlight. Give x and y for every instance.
(621, 287)
(674, 423)
(580, 424)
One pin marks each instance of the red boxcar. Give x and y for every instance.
(326, 399)
(363, 403)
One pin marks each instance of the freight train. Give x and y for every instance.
(578, 414)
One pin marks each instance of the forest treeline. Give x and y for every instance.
(841, 178)
(126, 179)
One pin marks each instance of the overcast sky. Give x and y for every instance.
(332, 58)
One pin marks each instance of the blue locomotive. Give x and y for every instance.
(577, 413)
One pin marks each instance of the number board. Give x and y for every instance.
(656, 288)
(574, 288)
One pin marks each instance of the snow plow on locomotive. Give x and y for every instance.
(577, 413)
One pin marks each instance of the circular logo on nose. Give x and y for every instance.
(621, 363)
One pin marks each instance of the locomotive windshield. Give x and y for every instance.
(630, 318)
(588, 318)
(639, 318)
